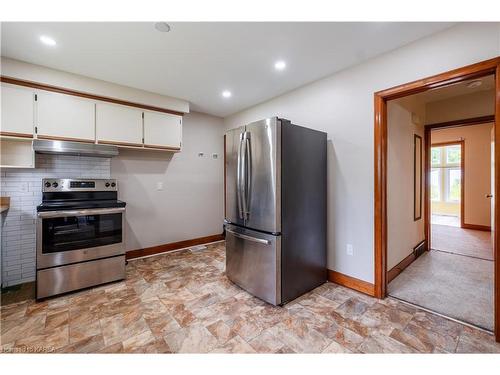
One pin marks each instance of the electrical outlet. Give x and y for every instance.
(201, 154)
(159, 186)
(350, 249)
(215, 156)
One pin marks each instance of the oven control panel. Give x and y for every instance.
(68, 184)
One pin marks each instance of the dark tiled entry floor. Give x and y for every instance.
(182, 302)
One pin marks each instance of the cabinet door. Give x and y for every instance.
(17, 111)
(65, 117)
(117, 124)
(162, 130)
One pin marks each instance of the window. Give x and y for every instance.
(454, 179)
(446, 174)
(436, 155)
(453, 154)
(435, 185)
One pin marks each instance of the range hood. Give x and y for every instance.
(43, 146)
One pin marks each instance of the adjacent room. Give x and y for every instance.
(456, 263)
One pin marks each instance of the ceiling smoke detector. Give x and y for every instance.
(474, 84)
(162, 27)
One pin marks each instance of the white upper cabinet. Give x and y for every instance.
(65, 117)
(17, 111)
(162, 130)
(118, 124)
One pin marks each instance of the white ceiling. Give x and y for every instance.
(197, 61)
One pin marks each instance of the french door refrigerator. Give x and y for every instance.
(275, 211)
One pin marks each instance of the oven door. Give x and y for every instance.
(65, 237)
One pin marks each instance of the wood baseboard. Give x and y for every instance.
(131, 254)
(485, 228)
(398, 268)
(351, 282)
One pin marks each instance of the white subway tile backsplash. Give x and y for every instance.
(18, 241)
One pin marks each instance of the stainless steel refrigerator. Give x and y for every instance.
(275, 212)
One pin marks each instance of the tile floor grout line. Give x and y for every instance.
(442, 315)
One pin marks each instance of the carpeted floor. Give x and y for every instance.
(474, 243)
(457, 286)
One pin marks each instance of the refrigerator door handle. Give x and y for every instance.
(248, 174)
(249, 238)
(239, 177)
(243, 176)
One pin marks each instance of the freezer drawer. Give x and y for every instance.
(253, 261)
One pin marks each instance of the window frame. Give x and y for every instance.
(444, 175)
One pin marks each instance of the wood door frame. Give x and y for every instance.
(381, 98)
(427, 220)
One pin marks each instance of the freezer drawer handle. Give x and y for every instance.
(249, 238)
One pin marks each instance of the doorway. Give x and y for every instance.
(489, 67)
(447, 184)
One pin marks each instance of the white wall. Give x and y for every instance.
(461, 107)
(22, 70)
(191, 202)
(342, 105)
(403, 232)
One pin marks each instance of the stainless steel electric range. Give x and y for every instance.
(80, 235)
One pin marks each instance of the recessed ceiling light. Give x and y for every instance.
(474, 84)
(162, 26)
(280, 65)
(47, 40)
(226, 94)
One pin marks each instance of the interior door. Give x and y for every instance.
(262, 175)
(233, 157)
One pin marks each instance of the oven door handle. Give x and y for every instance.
(90, 211)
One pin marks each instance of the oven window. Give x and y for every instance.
(80, 232)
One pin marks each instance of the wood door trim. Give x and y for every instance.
(56, 138)
(496, 226)
(480, 69)
(153, 250)
(86, 95)
(484, 228)
(462, 122)
(351, 282)
(380, 199)
(19, 135)
(476, 70)
(400, 267)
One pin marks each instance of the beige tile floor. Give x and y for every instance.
(182, 303)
